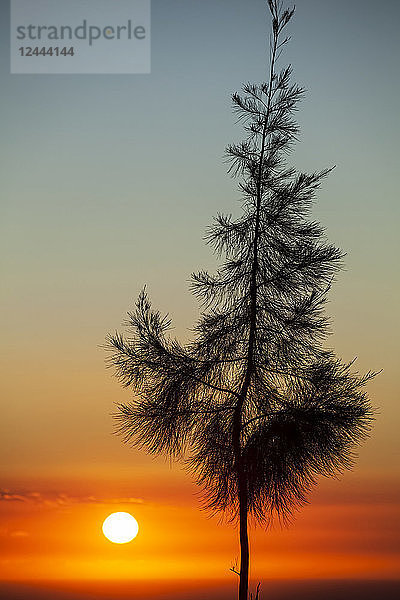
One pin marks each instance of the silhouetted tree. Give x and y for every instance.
(255, 406)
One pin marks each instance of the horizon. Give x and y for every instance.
(214, 590)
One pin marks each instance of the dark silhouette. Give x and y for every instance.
(254, 406)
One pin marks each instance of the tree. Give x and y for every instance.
(254, 405)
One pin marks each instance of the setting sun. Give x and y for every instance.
(120, 528)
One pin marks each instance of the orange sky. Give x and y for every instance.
(349, 531)
(64, 472)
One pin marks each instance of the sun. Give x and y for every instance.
(120, 527)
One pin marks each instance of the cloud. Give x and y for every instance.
(7, 496)
(129, 500)
(60, 499)
(19, 534)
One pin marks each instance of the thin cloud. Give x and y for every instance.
(19, 534)
(60, 499)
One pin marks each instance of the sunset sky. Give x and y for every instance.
(108, 183)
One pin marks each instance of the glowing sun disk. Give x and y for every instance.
(120, 527)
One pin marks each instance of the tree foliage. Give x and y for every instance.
(255, 405)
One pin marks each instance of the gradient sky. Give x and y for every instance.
(108, 183)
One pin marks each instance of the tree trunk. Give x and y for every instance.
(244, 542)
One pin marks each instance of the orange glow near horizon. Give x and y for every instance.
(58, 537)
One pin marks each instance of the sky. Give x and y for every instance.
(108, 183)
